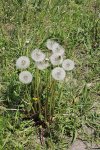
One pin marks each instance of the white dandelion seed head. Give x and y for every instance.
(25, 77)
(56, 59)
(58, 73)
(58, 49)
(22, 62)
(42, 65)
(68, 64)
(37, 55)
(49, 44)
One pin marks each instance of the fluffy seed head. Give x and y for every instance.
(42, 65)
(22, 62)
(49, 44)
(56, 59)
(58, 49)
(37, 55)
(58, 73)
(25, 77)
(68, 64)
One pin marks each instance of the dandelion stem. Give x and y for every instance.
(52, 98)
(46, 102)
(37, 89)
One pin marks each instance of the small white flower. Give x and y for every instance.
(3, 48)
(58, 73)
(22, 62)
(56, 59)
(49, 44)
(27, 41)
(68, 64)
(37, 55)
(47, 59)
(58, 49)
(42, 65)
(25, 77)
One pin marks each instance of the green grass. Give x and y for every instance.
(74, 24)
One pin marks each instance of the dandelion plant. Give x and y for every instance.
(54, 65)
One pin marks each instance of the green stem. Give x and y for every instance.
(37, 89)
(46, 100)
(60, 93)
(52, 98)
